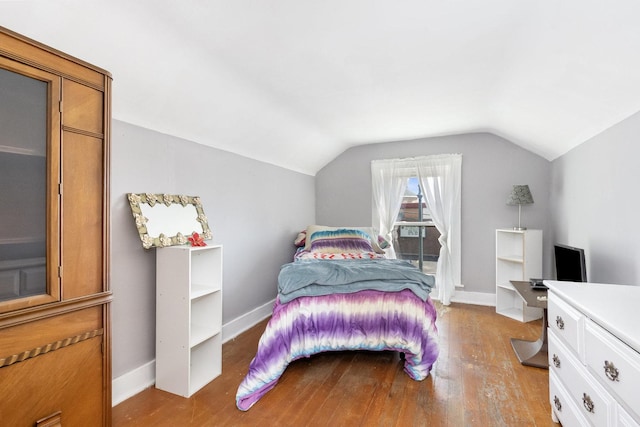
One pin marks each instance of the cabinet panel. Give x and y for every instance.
(82, 215)
(82, 107)
(67, 380)
(27, 336)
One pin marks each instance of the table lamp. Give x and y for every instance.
(520, 195)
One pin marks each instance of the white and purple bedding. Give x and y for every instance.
(365, 320)
(372, 307)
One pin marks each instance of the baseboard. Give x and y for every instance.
(133, 382)
(143, 377)
(235, 327)
(475, 298)
(464, 297)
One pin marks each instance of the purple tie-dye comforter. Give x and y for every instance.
(364, 320)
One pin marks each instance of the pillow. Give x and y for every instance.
(383, 243)
(318, 255)
(312, 229)
(378, 245)
(341, 240)
(300, 239)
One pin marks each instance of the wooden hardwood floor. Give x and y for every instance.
(477, 381)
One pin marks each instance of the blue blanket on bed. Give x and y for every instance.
(324, 277)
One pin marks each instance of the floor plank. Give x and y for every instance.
(477, 381)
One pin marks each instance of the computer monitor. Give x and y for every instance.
(570, 264)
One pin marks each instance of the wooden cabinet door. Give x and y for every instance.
(82, 215)
(52, 365)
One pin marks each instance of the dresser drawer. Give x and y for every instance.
(591, 399)
(562, 406)
(614, 363)
(625, 420)
(567, 322)
(558, 357)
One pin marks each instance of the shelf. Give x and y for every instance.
(511, 230)
(21, 151)
(518, 257)
(512, 258)
(198, 291)
(201, 333)
(506, 285)
(188, 318)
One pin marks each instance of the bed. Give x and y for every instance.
(341, 293)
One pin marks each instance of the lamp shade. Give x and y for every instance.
(520, 195)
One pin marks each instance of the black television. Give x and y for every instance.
(570, 264)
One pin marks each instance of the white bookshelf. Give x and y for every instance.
(518, 257)
(188, 317)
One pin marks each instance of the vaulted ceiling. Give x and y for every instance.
(296, 82)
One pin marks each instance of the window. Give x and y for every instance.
(415, 236)
(440, 182)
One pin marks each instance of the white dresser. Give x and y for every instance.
(594, 354)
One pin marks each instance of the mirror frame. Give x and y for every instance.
(162, 240)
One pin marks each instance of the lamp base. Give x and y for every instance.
(519, 228)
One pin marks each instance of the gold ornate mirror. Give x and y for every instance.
(168, 219)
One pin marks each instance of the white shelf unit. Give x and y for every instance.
(518, 257)
(188, 317)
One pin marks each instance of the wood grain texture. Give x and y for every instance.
(39, 387)
(477, 381)
(83, 108)
(23, 337)
(82, 213)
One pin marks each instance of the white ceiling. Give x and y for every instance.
(296, 82)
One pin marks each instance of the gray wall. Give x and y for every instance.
(595, 203)
(490, 166)
(254, 209)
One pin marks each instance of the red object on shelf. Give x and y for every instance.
(196, 240)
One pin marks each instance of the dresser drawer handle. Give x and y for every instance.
(611, 371)
(556, 360)
(588, 403)
(556, 402)
(559, 322)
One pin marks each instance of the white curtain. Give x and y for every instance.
(389, 182)
(440, 177)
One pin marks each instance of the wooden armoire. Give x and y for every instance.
(55, 343)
